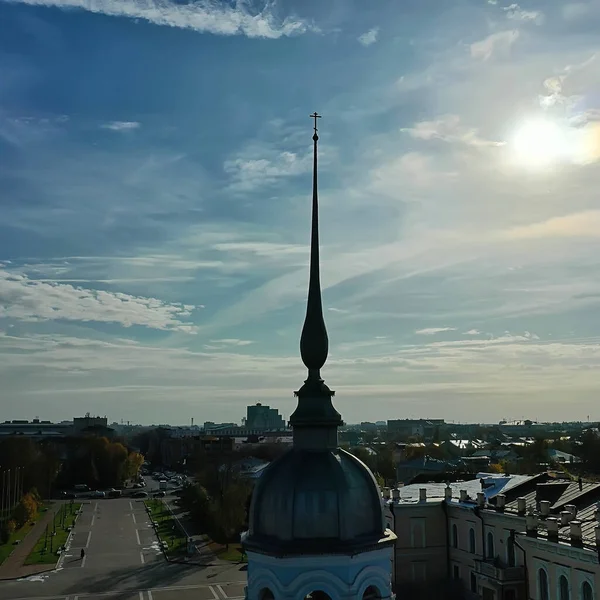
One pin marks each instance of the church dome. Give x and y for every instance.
(323, 500)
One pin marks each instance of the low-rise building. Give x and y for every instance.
(497, 538)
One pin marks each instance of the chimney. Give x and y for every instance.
(422, 494)
(448, 493)
(565, 517)
(576, 536)
(395, 494)
(521, 505)
(531, 525)
(500, 502)
(580, 482)
(386, 493)
(463, 495)
(545, 508)
(480, 499)
(572, 509)
(552, 525)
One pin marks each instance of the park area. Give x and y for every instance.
(55, 536)
(168, 531)
(16, 536)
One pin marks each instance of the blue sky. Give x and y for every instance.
(155, 196)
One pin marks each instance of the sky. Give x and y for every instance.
(155, 185)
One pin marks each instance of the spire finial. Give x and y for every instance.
(315, 116)
(314, 343)
(315, 409)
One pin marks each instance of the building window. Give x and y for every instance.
(417, 533)
(510, 552)
(473, 583)
(372, 593)
(587, 593)
(454, 536)
(472, 541)
(543, 593)
(266, 594)
(563, 588)
(317, 595)
(455, 572)
(491, 553)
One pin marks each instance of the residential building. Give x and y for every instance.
(497, 537)
(426, 429)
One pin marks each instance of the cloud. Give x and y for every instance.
(202, 16)
(448, 128)
(248, 174)
(583, 224)
(369, 37)
(498, 43)
(516, 13)
(472, 332)
(434, 330)
(26, 299)
(121, 125)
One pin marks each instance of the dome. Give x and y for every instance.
(315, 499)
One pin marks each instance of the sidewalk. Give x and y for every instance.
(13, 567)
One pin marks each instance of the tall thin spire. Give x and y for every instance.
(314, 343)
(315, 410)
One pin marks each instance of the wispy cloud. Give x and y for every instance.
(449, 128)
(250, 173)
(495, 44)
(434, 330)
(26, 299)
(516, 13)
(121, 125)
(369, 37)
(202, 16)
(583, 224)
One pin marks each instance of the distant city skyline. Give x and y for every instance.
(155, 207)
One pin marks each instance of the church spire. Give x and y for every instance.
(314, 409)
(314, 343)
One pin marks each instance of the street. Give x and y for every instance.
(123, 561)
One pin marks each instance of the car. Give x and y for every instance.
(140, 495)
(137, 485)
(98, 494)
(160, 494)
(114, 493)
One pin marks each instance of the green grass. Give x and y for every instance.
(232, 553)
(41, 554)
(7, 548)
(167, 528)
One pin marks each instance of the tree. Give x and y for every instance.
(496, 468)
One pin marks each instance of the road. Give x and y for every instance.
(123, 562)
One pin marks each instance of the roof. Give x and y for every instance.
(566, 492)
(495, 484)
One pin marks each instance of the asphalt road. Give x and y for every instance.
(123, 562)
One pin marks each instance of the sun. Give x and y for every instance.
(541, 143)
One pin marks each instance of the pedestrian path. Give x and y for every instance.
(13, 567)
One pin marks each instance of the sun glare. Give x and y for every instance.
(541, 142)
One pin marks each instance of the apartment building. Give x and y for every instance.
(496, 538)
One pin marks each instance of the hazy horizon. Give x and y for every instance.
(155, 180)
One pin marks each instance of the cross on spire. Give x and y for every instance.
(315, 116)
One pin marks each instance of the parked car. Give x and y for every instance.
(160, 494)
(98, 494)
(140, 495)
(115, 493)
